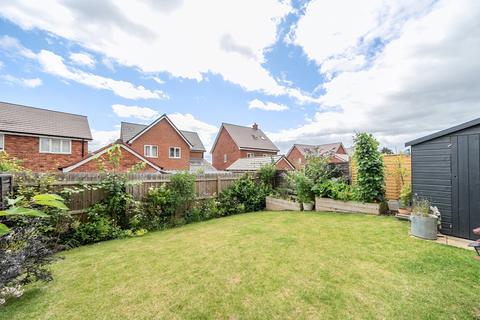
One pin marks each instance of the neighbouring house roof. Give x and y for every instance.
(96, 154)
(201, 165)
(255, 163)
(20, 119)
(247, 138)
(445, 132)
(129, 130)
(319, 150)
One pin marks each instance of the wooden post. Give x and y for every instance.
(218, 185)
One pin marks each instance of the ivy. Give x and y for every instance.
(370, 168)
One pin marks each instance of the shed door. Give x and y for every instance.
(466, 180)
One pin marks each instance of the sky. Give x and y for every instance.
(306, 71)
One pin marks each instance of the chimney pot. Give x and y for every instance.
(255, 126)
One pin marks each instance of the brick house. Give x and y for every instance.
(298, 153)
(43, 140)
(254, 164)
(234, 142)
(161, 145)
(95, 160)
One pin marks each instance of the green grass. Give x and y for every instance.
(261, 266)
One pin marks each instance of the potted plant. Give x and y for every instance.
(424, 220)
(405, 200)
(303, 186)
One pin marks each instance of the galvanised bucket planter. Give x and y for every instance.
(424, 227)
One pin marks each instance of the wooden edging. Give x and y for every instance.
(275, 204)
(326, 204)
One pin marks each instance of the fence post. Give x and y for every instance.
(218, 184)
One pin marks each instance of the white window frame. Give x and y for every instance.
(151, 146)
(250, 155)
(62, 141)
(225, 158)
(2, 142)
(175, 152)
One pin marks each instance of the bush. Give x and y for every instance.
(182, 192)
(370, 168)
(406, 196)
(319, 169)
(266, 175)
(336, 189)
(156, 211)
(303, 187)
(244, 195)
(98, 227)
(203, 210)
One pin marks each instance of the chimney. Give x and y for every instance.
(255, 126)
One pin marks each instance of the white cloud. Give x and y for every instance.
(267, 106)
(158, 80)
(424, 80)
(83, 59)
(142, 113)
(188, 122)
(102, 138)
(188, 40)
(10, 44)
(24, 82)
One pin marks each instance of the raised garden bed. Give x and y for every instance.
(326, 204)
(275, 204)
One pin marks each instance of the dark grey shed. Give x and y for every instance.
(446, 170)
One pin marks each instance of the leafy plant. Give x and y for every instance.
(336, 189)
(9, 164)
(406, 196)
(155, 211)
(266, 175)
(370, 168)
(244, 195)
(421, 207)
(319, 169)
(182, 192)
(304, 187)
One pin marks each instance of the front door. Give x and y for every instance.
(466, 180)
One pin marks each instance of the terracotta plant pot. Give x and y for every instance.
(405, 211)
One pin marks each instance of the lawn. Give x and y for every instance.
(262, 265)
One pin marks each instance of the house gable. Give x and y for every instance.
(224, 145)
(296, 157)
(164, 135)
(127, 161)
(284, 165)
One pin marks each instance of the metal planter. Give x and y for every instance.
(424, 227)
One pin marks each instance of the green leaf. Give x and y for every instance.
(3, 229)
(50, 200)
(19, 211)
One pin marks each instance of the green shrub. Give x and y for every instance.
(244, 195)
(98, 227)
(406, 195)
(319, 169)
(203, 210)
(182, 192)
(266, 175)
(370, 168)
(156, 211)
(303, 187)
(337, 189)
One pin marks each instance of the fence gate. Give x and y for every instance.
(6, 188)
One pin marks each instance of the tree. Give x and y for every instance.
(370, 168)
(386, 150)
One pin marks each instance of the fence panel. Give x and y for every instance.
(397, 166)
(206, 185)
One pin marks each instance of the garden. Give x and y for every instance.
(173, 255)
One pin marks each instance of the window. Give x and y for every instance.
(150, 151)
(265, 155)
(225, 158)
(53, 145)
(2, 142)
(250, 155)
(175, 153)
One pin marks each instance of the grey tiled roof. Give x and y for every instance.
(249, 138)
(29, 120)
(202, 165)
(320, 150)
(253, 163)
(129, 130)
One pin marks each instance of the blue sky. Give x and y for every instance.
(306, 71)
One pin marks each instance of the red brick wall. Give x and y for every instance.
(26, 149)
(196, 155)
(293, 157)
(283, 165)
(341, 150)
(225, 145)
(127, 161)
(164, 136)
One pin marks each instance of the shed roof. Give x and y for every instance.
(129, 130)
(444, 132)
(30, 120)
(255, 163)
(248, 138)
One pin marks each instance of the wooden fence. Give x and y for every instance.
(396, 166)
(206, 185)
